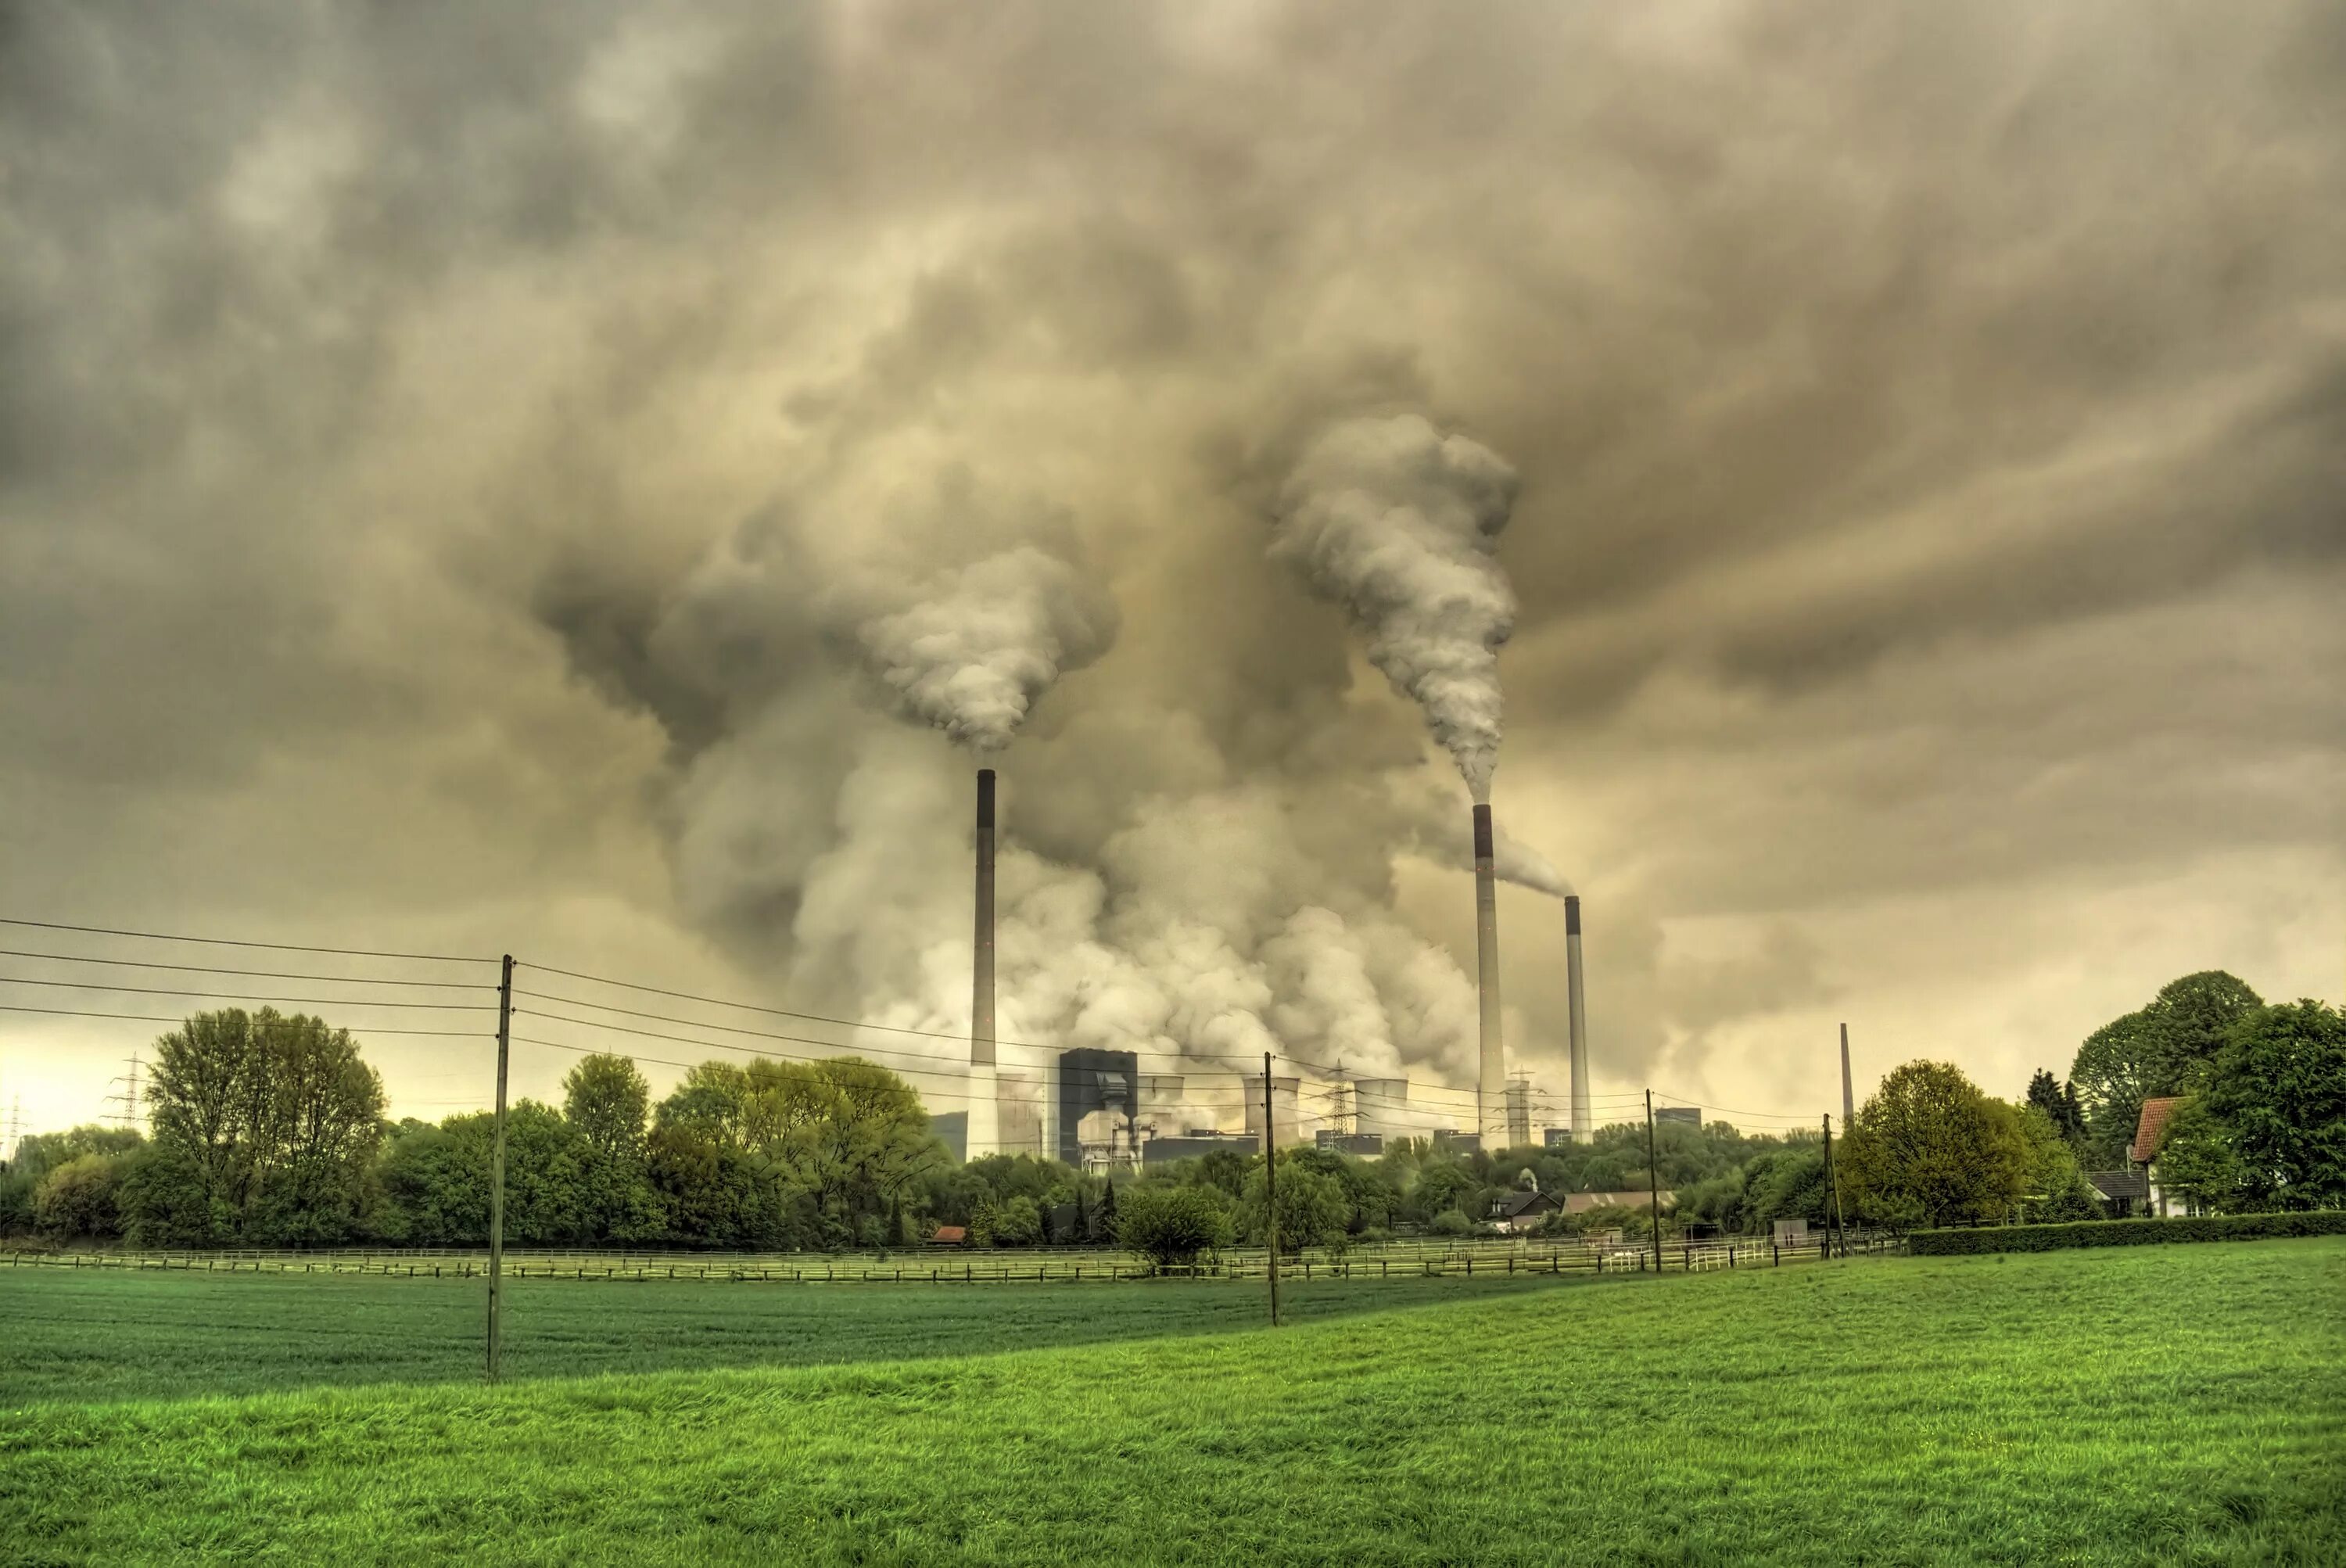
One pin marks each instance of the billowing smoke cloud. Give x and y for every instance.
(983, 642)
(1518, 863)
(1400, 525)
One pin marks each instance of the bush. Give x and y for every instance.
(78, 1200)
(1450, 1222)
(2126, 1233)
(1168, 1225)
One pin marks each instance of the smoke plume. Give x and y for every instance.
(1399, 523)
(983, 643)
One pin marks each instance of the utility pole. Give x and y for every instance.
(497, 1166)
(1834, 1240)
(1653, 1182)
(1270, 1188)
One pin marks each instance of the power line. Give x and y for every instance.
(248, 973)
(150, 1018)
(229, 942)
(252, 996)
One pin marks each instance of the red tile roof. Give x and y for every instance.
(948, 1235)
(2152, 1128)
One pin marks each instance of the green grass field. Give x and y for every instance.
(2166, 1405)
(90, 1336)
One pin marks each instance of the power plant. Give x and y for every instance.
(1093, 1108)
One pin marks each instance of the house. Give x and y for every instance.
(1581, 1202)
(2150, 1133)
(1521, 1210)
(948, 1235)
(2121, 1191)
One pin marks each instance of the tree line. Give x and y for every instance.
(2262, 1126)
(270, 1130)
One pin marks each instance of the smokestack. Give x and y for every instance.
(1848, 1097)
(985, 1120)
(1493, 1074)
(1582, 1132)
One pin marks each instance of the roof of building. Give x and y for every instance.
(950, 1234)
(1507, 1206)
(2151, 1130)
(1581, 1202)
(2119, 1183)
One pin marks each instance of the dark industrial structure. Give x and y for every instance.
(1092, 1080)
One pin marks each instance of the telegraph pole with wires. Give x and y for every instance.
(1835, 1240)
(497, 1166)
(1270, 1188)
(1653, 1182)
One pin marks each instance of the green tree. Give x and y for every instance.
(1173, 1225)
(76, 1201)
(2278, 1086)
(2167, 1048)
(1929, 1149)
(1312, 1207)
(267, 1124)
(2058, 1101)
(604, 1100)
(2056, 1187)
(2196, 1161)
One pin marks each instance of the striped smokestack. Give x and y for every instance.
(984, 1131)
(1578, 1018)
(1848, 1094)
(1493, 1074)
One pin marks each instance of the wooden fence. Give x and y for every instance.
(942, 1267)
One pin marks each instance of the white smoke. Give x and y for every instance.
(1400, 525)
(1518, 863)
(979, 644)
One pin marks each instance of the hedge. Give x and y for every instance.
(2126, 1232)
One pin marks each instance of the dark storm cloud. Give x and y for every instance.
(1927, 424)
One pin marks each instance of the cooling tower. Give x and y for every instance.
(1286, 1127)
(1578, 1017)
(985, 1113)
(1493, 1078)
(1380, 1107)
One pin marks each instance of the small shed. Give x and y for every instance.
(948, 1235)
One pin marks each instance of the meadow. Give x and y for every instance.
(2154, 1405)
(91, 1335)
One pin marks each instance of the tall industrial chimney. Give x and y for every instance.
(1494, 1074)
(1577, 1016)
(985, 1114)
(1848, 1096)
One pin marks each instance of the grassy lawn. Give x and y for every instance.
(99, 1335)
(2166, 1405)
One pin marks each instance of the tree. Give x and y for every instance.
(2279, 1085)
(2058, 1101)
(2196, 1161)
(1172, 1225)
(1929, 1149)
(1311, 1208)
(1017, 1222)
(2167, 1048)
(2056, 1187)
(76, 1201)
(605, 1101)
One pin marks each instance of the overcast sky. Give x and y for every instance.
(460, 470)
